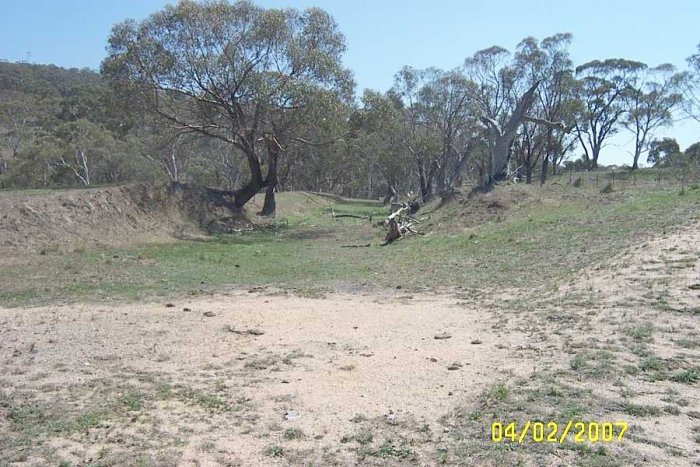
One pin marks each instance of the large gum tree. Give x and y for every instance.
(239, 73)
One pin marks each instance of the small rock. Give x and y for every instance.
(433, 359)
(399, 287)
(443, 335)
(454, 366)
(476, 341)
(186, 309)
(236, 265)
(169, 305)
(209, 314)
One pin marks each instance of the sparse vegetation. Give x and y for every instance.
(274, 451)
(243, 304)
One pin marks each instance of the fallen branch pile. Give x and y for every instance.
(402, 223)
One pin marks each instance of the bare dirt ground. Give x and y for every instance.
(265, 377)
(324, 361)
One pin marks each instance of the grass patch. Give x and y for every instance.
(641, 333)
(598, 364)
(132, 401)
(638, 410)
(274, 451)
(499, 392)
(578, 231)
(389, 449)
(542, 397)
(688, 343)
(293, 433)
(34, 421)
(686, 376)
(654, 368)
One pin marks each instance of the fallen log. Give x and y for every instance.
(400, 223)
(354, 216)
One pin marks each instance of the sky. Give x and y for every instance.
(384, 35)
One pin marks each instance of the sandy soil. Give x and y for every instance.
(326, 359)
(221, 380)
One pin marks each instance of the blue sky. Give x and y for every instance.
(384, 35)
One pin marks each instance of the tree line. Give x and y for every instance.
(256, 100)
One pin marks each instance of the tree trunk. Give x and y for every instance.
(545, 167)
(426, 188)
(390, 194)
(594, 159)
(273, 152)
(245, 194)
(256, 183)
(500, 151)
(270, 205)
(528, 172)
(637, 153)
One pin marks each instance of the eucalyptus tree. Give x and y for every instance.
(322, 160)
(235, 72)
(87, 152)
(531, 62)
(502, 97)
(555, 99)
(493, 80)
(449, 114)
(380, 128)
(692, 155)
(688, 83)
(661, 151)
(649, 101)
(416, 136)
(600, 88)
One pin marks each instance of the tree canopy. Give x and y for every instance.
(235, 72)
(255, 100)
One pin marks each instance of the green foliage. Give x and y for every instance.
(60, 127)
(272, 75)
(661, 152)
(274, 451)
(687, 376)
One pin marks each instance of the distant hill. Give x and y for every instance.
(46, 80)
(62, 127)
